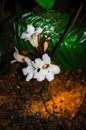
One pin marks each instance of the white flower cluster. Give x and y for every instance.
(40, 69)
(32, 35)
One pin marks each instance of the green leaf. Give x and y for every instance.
(47, 4)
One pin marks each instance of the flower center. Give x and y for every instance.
(45, 66)
(38, 69)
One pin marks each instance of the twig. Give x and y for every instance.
(40, 47)
(66, 33)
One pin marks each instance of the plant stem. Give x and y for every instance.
(40, 48)
(66, 33)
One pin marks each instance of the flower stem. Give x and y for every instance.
(40, 47)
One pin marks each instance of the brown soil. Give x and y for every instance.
(56, 105)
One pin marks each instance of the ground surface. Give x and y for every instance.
(56, 105)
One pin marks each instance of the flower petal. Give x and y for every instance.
(46, 59)
(28, 69)
(39, 30)
(40, 76)
(38, 63)
(30, 29)
(28, 61)
(25, 36)
(24, 70)
(55, 69)
(29, 77)
(49, 76)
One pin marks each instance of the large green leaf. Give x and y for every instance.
(47, 4)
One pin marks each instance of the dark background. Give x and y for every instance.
(61, 5)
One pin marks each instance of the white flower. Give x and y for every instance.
(39, 69)
(44, 68)
(31, 34)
